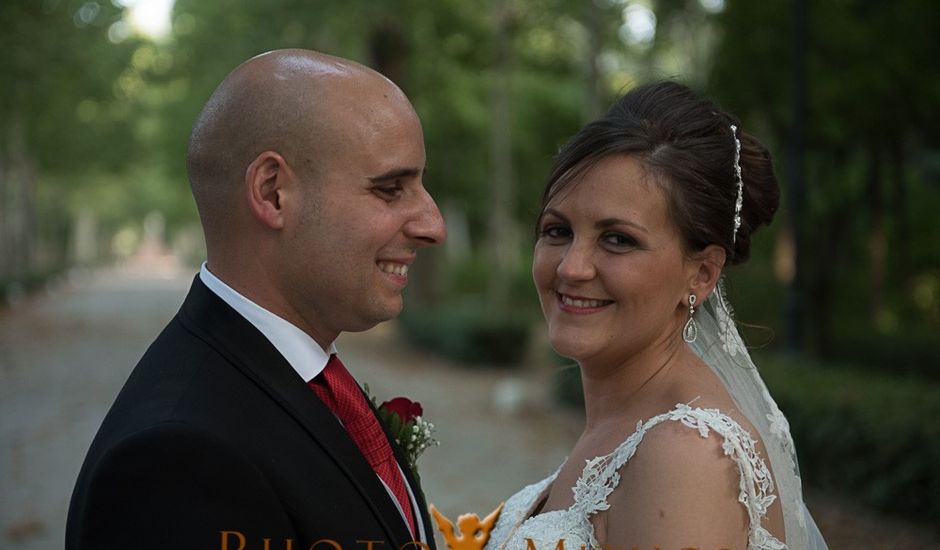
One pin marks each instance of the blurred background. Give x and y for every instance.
(840, 301)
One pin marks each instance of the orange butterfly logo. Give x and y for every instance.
(473, 532)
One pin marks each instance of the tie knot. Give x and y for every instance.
(335, 374)
(341, 393)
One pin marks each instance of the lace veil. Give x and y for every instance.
(720, 346)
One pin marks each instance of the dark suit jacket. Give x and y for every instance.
(216, 442)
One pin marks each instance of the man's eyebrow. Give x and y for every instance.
(396, 173)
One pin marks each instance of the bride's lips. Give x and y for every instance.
(580, 304)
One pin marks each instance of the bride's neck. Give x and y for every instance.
(615, 389)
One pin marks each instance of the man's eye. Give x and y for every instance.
(388, 191)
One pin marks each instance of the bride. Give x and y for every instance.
(682, 445)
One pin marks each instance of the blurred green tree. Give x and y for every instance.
(60, 121)
(870, 131)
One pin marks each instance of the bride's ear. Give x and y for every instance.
(705, 269)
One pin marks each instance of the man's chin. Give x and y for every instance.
(391, 309)
(387, 313)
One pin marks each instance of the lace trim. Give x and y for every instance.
(515, 511)
(600, 476)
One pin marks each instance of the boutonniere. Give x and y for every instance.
(404, 420)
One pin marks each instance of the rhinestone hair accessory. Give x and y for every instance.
(739, 182)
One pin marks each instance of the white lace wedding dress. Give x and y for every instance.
(600, 477)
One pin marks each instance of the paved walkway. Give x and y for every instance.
(64, 355)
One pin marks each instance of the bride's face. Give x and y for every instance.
(609, 265)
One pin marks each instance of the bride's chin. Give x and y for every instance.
(568, 349)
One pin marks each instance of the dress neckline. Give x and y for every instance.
(549, 481)
(599, 477)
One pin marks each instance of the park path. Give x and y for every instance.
(65, 353)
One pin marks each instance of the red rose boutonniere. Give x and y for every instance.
(405, 408)
(403, 418)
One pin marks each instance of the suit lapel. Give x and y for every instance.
(215, 322)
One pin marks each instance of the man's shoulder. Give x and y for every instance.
(170, 473)
(161, 380)
(182, 390)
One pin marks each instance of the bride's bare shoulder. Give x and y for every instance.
(679, 490)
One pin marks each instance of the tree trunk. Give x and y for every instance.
(503, 240)
(594, 17)
(877, 238)
(795, 174)
(829, 246)
(390, 51)
(4, 210)
(18, 222)
(900, 211)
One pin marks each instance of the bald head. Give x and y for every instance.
(298, 103)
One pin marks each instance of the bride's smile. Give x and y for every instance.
(581, 304)
(609, 264)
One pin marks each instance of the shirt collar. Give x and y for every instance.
(301, 351)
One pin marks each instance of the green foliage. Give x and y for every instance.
(468, 280)
(869, 130)
(469, 332)
(872, 436)
(912, 351)
(62, 77)
(105, 124)
(446, 65)
(62, 116)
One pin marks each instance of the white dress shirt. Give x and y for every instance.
(301, 351)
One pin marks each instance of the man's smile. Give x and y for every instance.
(395, 268)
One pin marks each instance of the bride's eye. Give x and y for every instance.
(554, 232)
(618, 240)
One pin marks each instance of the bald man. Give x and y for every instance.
(307, 172)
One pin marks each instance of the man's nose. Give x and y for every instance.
(427, 225)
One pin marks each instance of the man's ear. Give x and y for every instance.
(705, 269)
(265, 182)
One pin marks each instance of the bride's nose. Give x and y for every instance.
(577, 263)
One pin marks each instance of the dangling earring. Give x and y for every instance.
(690, 331)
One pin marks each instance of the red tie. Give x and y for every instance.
(339, 391)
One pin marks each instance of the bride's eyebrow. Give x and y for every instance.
(610, 222)
(555, 213)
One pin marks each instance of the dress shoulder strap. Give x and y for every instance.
(601, 475)
(756, 487)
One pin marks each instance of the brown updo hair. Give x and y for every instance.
(687, 143)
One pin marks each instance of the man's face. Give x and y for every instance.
(361, 219)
